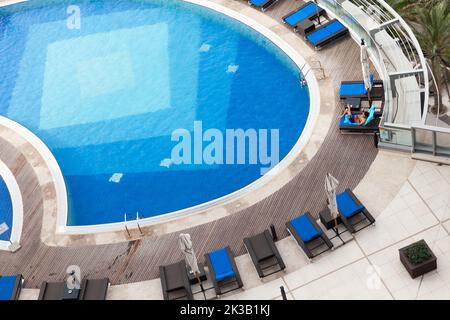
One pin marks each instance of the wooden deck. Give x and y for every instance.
(346, 157)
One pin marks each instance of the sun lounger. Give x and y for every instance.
(224, 273)
(371, 125)
(350, 208)
(326, 34)
(264, 254)
(357, 89)
(10, 287)
(309, 236)
(175, 282)
(89, 290)
(262, 4)
(94, 289)
(52, 291)
(307, 11)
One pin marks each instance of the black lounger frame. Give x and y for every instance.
(330, 38)
(310, 17)
(304, 245)
(265, 5)
(94, 289)
(43, 295)
(187, 286)
(367, 216)
(218, 285)
(276, 255)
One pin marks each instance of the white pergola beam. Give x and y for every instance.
(384, 25)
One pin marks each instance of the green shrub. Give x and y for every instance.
(418, 253)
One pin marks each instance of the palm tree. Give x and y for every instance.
(433, 34)
(430, 21)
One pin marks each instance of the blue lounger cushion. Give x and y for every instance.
(347, 206)
(326, 31)
(221, 264)
(7, 287)
(258, 3)
(301, 14)
(305, 228)
(348, 89)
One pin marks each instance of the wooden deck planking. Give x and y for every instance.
(346, 157)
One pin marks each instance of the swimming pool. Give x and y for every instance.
(6, 212)
(107, 97)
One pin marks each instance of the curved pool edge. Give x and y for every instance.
(17, 207)
(314, 95)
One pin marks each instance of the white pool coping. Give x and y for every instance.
(61, 192)
(17, 207)
(47, 155)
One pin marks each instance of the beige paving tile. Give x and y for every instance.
(356, 281)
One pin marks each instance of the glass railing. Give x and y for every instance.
(395, 136)
(431, 140)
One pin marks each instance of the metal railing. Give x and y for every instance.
(431, 140)
(399, 60)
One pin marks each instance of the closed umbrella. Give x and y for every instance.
(189, 255)
(365, 65)
(73, 281)
(331, 184)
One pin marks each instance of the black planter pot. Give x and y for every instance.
(416, 270)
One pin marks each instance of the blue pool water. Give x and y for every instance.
(106, 97)
(5, 210)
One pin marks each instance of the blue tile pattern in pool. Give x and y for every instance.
(106, 98)
(5, 210)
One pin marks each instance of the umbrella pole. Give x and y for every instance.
(368, 97)
(317, 11)
(201, 284)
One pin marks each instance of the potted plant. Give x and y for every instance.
(418, 258)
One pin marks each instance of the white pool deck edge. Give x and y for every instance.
(215, 205)
(17, 207)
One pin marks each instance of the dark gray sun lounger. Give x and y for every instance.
(350, 209)
(175, 282)
(224, 273)
(262, 4)
(10, 287)
(52, 291)
(306, 11)
(264, 254)
(89, 290)
(309, 236)
(326, 34)
(94, 289)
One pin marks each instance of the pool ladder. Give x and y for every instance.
(317, 67)
(138, 216)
